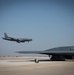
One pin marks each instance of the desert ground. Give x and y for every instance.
(27, 66)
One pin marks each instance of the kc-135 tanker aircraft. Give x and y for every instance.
(55, 54)
(18, 40)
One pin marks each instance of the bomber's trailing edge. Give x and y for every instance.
(56, 54)
(18, 40)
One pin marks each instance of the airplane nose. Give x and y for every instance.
(3, 38)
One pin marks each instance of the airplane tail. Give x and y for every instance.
(6, 36)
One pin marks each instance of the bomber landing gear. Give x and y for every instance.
(57, 58)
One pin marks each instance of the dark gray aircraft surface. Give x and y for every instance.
(57, 54)
(18, 40)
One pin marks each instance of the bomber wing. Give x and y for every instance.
(48, 52)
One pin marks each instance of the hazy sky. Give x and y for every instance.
(50, 23)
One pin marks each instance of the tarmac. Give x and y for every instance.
(27, 66)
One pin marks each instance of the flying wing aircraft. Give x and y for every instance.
(18, 40)
(57, 54)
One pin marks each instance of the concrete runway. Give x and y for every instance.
(27, 66)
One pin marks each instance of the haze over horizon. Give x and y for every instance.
(50, 23)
